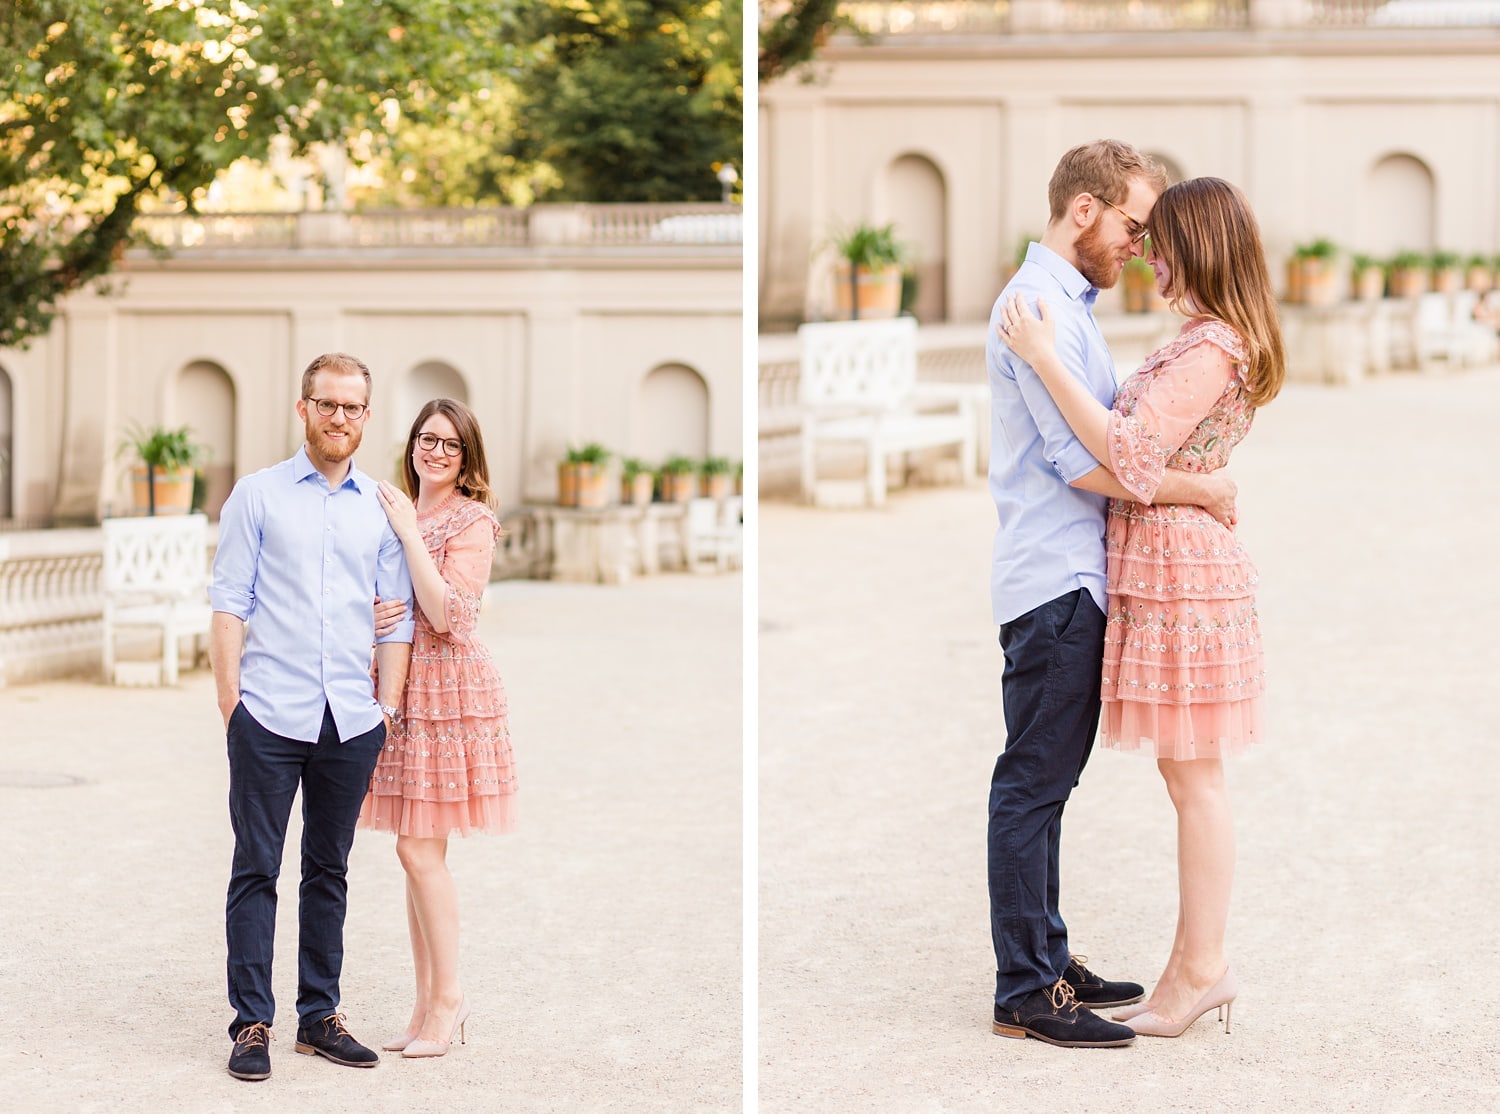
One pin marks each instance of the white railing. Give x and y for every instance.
(651, 226)
(916, 18)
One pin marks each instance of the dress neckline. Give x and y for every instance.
(442, 505)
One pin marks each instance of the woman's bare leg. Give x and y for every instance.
(434, 908)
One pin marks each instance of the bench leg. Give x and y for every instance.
(809, 447)
(875, 479)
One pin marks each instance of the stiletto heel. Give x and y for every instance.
(1222, 994)
(420, 1049)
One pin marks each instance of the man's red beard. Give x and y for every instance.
(1097, 263)
(334, 450)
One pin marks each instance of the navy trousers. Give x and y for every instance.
(1050, 691)
(265, 770)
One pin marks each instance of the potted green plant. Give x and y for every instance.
(1366, 278)
(1477, 274)
(1139, 283)
(636, 481)
(1317, 272)
(679, 480)
(1410, 274)
(1447, 272)
(867, 278)
(739, 477)
(590, 463)
(717, 480)
(164, 463)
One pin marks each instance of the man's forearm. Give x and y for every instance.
(226, 643)
(1213, 491)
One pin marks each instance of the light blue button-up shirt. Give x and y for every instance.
(1050, 540)
(301, 565)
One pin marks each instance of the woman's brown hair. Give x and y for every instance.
(1204, 231)
(473, 471)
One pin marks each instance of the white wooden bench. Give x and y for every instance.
(155, 575)
(859, 386)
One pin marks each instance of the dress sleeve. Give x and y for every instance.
(466, 571)
(1177, 400)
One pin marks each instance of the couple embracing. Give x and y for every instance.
(1117, 580)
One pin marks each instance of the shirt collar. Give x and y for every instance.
(302, 467)
(1074, 285)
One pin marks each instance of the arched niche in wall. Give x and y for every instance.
(1397, 207)
(7, 446)
(204, 400)
(428, 380)
(915, 197)
(671, 414)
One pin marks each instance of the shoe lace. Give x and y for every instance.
(336, 1020)
(1078, 961)
(253, 1035)
(1061, 995)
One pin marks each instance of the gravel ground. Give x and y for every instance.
(601, 942)
(1363, 925)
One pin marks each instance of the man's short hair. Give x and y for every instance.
(340, 363)
(1103, 168)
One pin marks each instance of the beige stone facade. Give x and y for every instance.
(623, 330)
(1338, 122)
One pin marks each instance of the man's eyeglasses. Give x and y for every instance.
(354, 411)
(430, 441)
(1137, 230)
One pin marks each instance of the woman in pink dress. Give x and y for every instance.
(1183, 672)
(447, 765)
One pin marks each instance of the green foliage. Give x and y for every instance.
(1317, 249)
(678, 466)
(1477, 261)
(457, 156)
(1445, 260)
(1363, 263)
(865, 245)
(1138, 266)
(1410, 261)
(631, 467)
(715, 466)
(159, 447)
(630, 100)
(592, 453)
(107, 105)
(791, 37)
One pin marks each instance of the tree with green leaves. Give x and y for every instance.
(106, 105)
(792, 31)
(630, 100)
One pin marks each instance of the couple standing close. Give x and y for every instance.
(1116, 573)
(305, 547)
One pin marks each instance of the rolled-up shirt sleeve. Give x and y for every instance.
(393, 582)
(232, 588)
(1060, 446)
(1175, 404)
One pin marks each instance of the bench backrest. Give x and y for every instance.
(858, 364)
(165, 556)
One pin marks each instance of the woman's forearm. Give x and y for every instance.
(427, 584)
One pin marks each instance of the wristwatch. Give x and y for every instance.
(391, 712)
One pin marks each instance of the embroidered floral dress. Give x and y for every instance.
(447, 766)
(1183, 670)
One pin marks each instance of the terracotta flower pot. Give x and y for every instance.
(1318, 282)
(170, 491)
(865, 294)
(1446, 280)
(567, 484)
(593, 486)
(1479, 279)
(678, 487)
(718, 485)
(636, 491)
(1369, 285)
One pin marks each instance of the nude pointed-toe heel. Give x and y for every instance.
(420, 1049)
(397, 1044)
(1221, 996)
(1128, 1012)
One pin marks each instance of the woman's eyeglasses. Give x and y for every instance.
(429, 441)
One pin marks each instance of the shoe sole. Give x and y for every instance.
(309, 1050)
(253, 1077)
(1114, 1005)
(1020, 1034)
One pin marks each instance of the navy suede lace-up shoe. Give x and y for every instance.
(328, 1038)
(1097, 993)
(1055, 1016)
(250, 1058)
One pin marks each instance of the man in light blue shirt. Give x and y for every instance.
(304, 549)
(1048, 590)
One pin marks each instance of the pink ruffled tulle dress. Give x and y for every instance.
(1183, 667)
(447, 766)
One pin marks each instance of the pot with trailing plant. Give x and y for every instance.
(1410, 274)
(679, 479)
(1317, 272)
(717, 479)
(636, 482)
(1447, 271)
(1477, 274)
(867, 277)
(161, 477)
(1366, 279)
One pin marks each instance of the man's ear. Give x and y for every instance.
(1083, 209)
